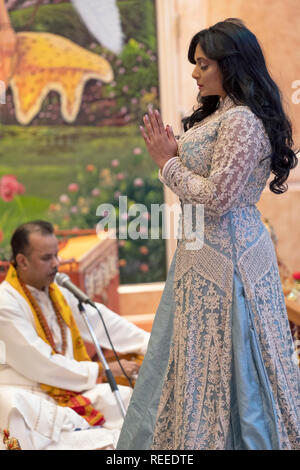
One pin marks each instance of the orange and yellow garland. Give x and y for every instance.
(73, 400)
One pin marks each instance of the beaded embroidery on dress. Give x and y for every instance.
(218, 166)
(219, 372)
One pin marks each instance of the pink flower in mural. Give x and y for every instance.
(74, 210)
(73, 187)
(64, 199)
(138, 182)
(137, 151)
(10, 187)
(95, 192)
(120, 176)
(115, 163)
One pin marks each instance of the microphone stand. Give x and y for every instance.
(108, 372)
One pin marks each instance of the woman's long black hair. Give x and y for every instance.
(246, 81)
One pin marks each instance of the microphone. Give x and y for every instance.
(63, 280)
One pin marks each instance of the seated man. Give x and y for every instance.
(48, 385)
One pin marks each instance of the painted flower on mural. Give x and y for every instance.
(144, 250)
(10, 187)
(95, 192)
(117, 194)
(73, 187)
(106, 177)
(64, 199)
(90, 168)
(54, 207)
(144, 267)
(74, 210)
(138, 182)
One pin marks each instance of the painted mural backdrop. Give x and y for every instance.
(81, 77)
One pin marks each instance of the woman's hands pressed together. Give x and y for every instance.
(160, 141)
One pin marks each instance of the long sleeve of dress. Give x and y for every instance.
(239, 144)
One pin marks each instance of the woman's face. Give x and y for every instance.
(207, 74)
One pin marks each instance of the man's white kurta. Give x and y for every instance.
(30, 362)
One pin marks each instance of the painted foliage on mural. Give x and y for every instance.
(78, 83)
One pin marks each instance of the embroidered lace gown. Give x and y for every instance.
(220, 370)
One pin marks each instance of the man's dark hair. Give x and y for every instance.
(20, 239)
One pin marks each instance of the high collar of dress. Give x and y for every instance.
(225, 103)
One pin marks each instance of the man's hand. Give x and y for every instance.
(131, 368)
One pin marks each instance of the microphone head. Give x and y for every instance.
(64, 280)
(61, 279)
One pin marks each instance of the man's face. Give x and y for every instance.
(38, 265)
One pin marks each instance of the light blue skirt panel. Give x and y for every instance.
(137, 431)
(253, 413)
